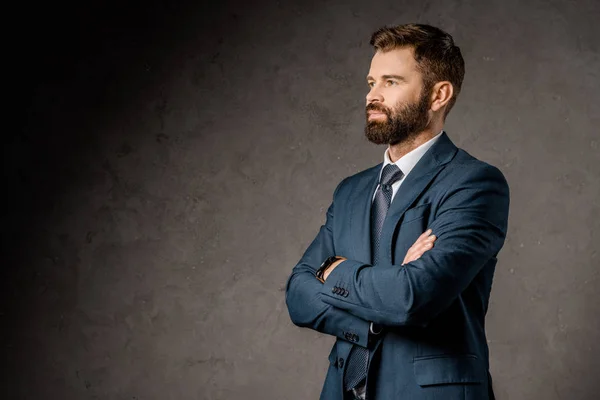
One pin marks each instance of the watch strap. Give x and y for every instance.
(324, 266)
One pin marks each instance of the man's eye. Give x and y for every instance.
(390, 82)
(370, 84)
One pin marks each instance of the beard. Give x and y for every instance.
(404, 122)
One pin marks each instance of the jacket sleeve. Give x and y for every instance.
(303, 290)
(470, 226)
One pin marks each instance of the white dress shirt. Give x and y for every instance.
(406, 163)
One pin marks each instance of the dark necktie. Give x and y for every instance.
(358, 358)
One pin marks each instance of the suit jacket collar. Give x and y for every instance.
(407, 162)
(415, 183)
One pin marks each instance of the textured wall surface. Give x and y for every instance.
(173, 162)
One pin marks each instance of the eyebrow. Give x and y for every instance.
(384, 77)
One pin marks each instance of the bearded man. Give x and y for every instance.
(401, 271)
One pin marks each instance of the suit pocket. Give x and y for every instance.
(445, 369)
(417, 212)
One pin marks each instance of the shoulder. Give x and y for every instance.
(465, 167)
(470, 179)
(364, 174)
(359, 178)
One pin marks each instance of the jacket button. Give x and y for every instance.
(333, 289)
(341, 362)
(355, 337)
(346, 293)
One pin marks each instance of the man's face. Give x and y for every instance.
(398, 103)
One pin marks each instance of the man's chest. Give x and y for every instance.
(402, 226)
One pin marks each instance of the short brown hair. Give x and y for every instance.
(437, 57)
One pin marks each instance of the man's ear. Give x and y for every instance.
(441, 94)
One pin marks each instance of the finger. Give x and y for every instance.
(428, 245)
(415, 252)
(410, 254)
(423, 248)
(414, 249)
(418, 254)
(424, 234)
(430, 238)
(413, 257)
(421, 245)
(426, 242)
(425, 239)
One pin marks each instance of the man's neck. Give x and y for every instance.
(399, 150)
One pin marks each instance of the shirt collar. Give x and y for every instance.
(407, 162)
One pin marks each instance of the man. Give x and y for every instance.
(402, 269)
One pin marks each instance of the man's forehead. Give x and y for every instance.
(393, 62)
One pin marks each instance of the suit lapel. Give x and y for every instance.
(360, 221)
(414, 183)
(432, 162)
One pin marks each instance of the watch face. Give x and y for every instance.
(328, 260)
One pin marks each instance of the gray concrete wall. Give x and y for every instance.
(173, 162)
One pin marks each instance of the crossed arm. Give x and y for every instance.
(470, 227)
(424, 242)
(303, 291)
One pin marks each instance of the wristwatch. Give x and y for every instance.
(326, 264)
(375, 329)
(374, 332)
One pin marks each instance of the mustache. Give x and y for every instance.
(378, 108)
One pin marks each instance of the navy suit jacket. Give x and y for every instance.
(433, 344)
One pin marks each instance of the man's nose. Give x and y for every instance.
(374, 95)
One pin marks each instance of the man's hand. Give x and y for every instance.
(423, 243)
(332, 267)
